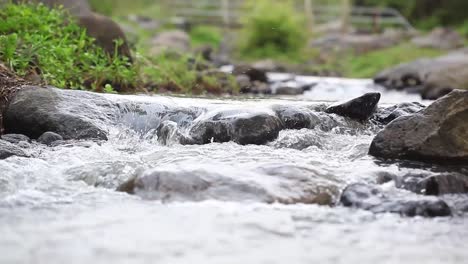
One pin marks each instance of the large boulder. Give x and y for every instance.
(438, 133)
(433, 77)
(241, 126)
(440, 38)
(106, 32)
(72, 114)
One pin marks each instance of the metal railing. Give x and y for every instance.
(229, 13)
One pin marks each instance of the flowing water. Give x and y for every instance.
(61, 205)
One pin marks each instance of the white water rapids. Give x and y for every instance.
(61, 205)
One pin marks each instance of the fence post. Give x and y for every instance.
(345, 15)
(309, 12)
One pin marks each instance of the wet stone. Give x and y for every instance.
(293, 117)
(388, 114)
(7, 150)
(241, 126)
(360, 108)
(366, 197)
(49, 137)
(15, 138)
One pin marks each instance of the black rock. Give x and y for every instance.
(7, 150)
(241, 126)
(70, 113)
(293, 117)
(388, 114)
(49, 137)
(15, 138)
(370, 198)
(360, 108)
(437, 133)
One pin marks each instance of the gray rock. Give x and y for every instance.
(7, 150)
(15, 138)
(49, 137)
(437, 133)
(370, 198)
(434, 184)
(360, 108)
(440, 38)
(293, 117)
(388, 114)
(70, 113)
(241, 126)
(285, 184)
(433, 78)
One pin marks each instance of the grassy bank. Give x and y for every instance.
(368, 65)
(48, 47)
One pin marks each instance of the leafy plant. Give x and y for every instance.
(202, 35)
(37, 40)
(273, 29)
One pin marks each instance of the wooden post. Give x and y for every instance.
(345, 15)
(309, 12)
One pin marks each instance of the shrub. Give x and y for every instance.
(47, 42)
(201, 35)
(273, 29)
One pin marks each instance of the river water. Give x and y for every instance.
(61, 205)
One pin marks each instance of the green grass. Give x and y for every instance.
(206, 35)
(368, 65)
(36, 40)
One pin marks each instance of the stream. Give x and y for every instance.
(219, 202)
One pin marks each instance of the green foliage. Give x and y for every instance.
(124, 7)
(202, 35)
(178, 73)
(368, 65)
(36, 40)
(273, 29)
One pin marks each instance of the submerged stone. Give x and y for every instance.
(15, 138)
(7, 150)
(366, 197)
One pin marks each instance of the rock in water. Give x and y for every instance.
(282, 184)
(49, 137)
(72, 114)
(438, 133)
(360, 108)
(388, 114)
(15, 138)
(369, 198)
(8, 150)
(438, 184)
(293, 117)
(241, 126)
